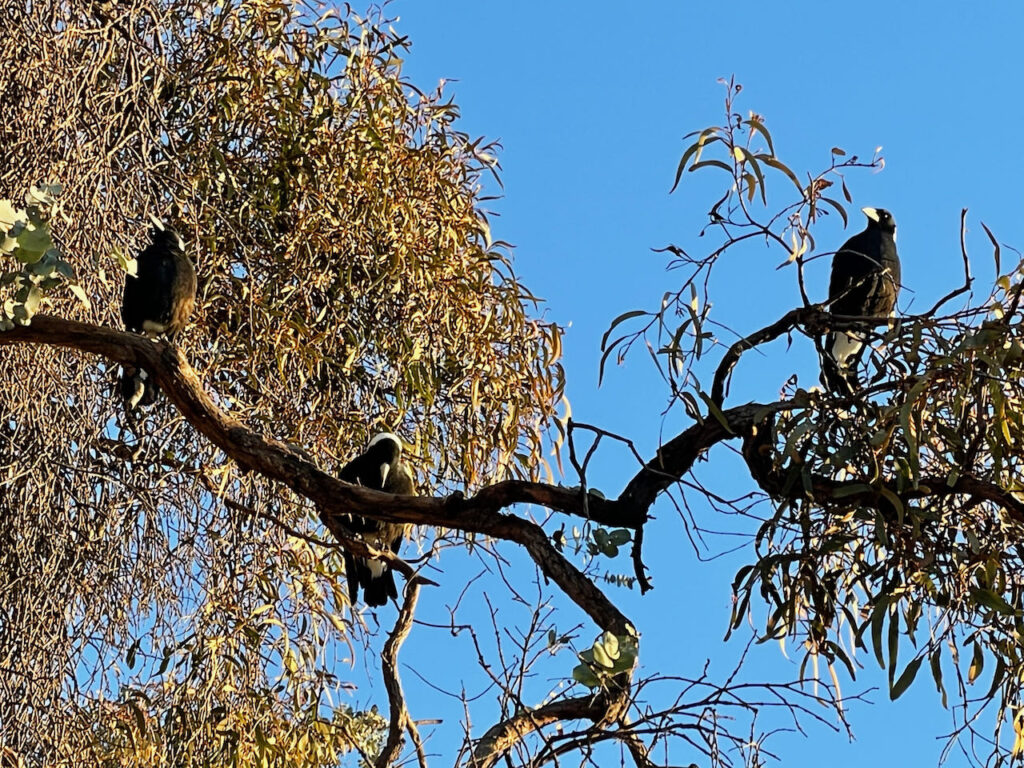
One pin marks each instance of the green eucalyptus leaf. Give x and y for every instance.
(582, 673)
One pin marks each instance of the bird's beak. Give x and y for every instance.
(871, 213)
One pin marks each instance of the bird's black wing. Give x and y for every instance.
(865, 281)
(134, 302)
(363, 471)
(886, 287)
(164, 273)
(376, 578)
(855, 268)
(147, 296)
(359, 571)
(852, 269)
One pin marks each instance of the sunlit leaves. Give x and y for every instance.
(25, 235)
(610, 655)
(349, 282)
(146, 726)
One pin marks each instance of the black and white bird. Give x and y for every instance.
(865, 283)
(158, 299)
(381, 468)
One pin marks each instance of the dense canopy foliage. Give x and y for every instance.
(348, 285)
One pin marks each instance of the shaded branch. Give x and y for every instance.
(789, 321)
(399, 719)
(824, 492)
(812, 320)
(334, 498)
(758, 450)
(503, 736)
(675, 458)
(636, 554)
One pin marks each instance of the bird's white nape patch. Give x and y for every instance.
(844, 346)
(871, 213)
(381, 437)
(385, 468)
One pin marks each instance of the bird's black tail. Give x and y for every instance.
(376, 589)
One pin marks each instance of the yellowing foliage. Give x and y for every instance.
(348, 283)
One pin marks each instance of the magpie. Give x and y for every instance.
(865, 283)
(158, 299)
(381, 468)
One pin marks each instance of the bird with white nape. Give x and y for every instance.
(158, 299)
(865, 282)
(381, 468)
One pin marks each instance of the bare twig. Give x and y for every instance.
(967, 270)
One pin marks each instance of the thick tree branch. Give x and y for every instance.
(334, 498)
(501, 737)
(824, 491)
(675, 458)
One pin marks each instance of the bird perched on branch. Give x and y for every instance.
(158, 299)
(865, 283)
(381, 468)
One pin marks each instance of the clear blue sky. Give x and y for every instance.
(591, 100)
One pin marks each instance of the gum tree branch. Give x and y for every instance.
(399, 720)
(335, 499)
(825, 491)
(675, 458)
(503, 736)
(787, 322)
